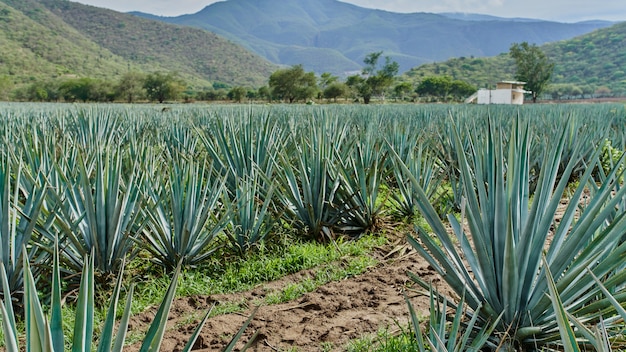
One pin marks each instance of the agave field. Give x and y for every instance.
(522, 212)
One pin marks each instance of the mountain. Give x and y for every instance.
(590, 61)
(44, 39)
(329, 35)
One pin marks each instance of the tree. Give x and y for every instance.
(293, 84)
(85, 89)
(326, 79)
(162, 87)
(36, 92)
(265, 93)
(435, 86)
(237, 94)
(602, 92)
(461, 89)
(402, 89)
(360, 87)
(532, 67)
(212, 94)
(444, 87)
(131, 86)
(335, 90)
(374, 79)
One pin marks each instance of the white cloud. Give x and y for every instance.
(560, 10)
(156, 7)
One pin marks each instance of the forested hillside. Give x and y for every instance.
(593, 61)
(50, 39)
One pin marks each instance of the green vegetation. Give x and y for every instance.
(161, 87)
(50, 42)
(531, 66)
(293, 84)
(46, 334)
(331, 262)
(509, 233)
(236, 196)
(56, 50)
(333, 36)
(444, 88)
(589, 65)
(374, 79)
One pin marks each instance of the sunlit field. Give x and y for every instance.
(520, 208)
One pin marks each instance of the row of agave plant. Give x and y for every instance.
(108, 182)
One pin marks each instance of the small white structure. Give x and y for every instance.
(506, 92)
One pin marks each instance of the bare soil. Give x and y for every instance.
(332, 315)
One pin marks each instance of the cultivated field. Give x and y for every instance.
(333, 220)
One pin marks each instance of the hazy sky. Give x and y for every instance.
(557, 10)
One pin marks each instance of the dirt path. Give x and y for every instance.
(331, 315)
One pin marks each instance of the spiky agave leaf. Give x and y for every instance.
(9, 327)
(99, 209)
(308, 193)
(509, 231)
(249, 210)
(182, 222)
(568, 338)
(361, 173)
(21, 202)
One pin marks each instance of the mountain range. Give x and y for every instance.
(333, 36)
(45, 40)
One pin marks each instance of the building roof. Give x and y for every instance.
(512, 82)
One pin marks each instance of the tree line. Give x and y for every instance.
(378, 80)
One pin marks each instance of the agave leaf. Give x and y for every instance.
(83, 325)
(36, 327)
(603, 337)
(21, 200)
(123, 325)
(618, 307)
(106, 334)
(484, 333)
(99, 209)
(417, 331)
(508, 230)
(154, 336)
(310, 190)
(456, 325)
(197, 331)
(9, 331)
(583, 330)
(249, 210)
(568, 338)
(183, 203)
(235, 339)
(56, 318)
(8, 317)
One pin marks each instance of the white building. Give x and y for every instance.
(506, 92)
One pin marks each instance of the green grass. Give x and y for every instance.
(326, 273)
(333, 262)
(385, 340)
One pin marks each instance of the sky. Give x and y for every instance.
(554, 10)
